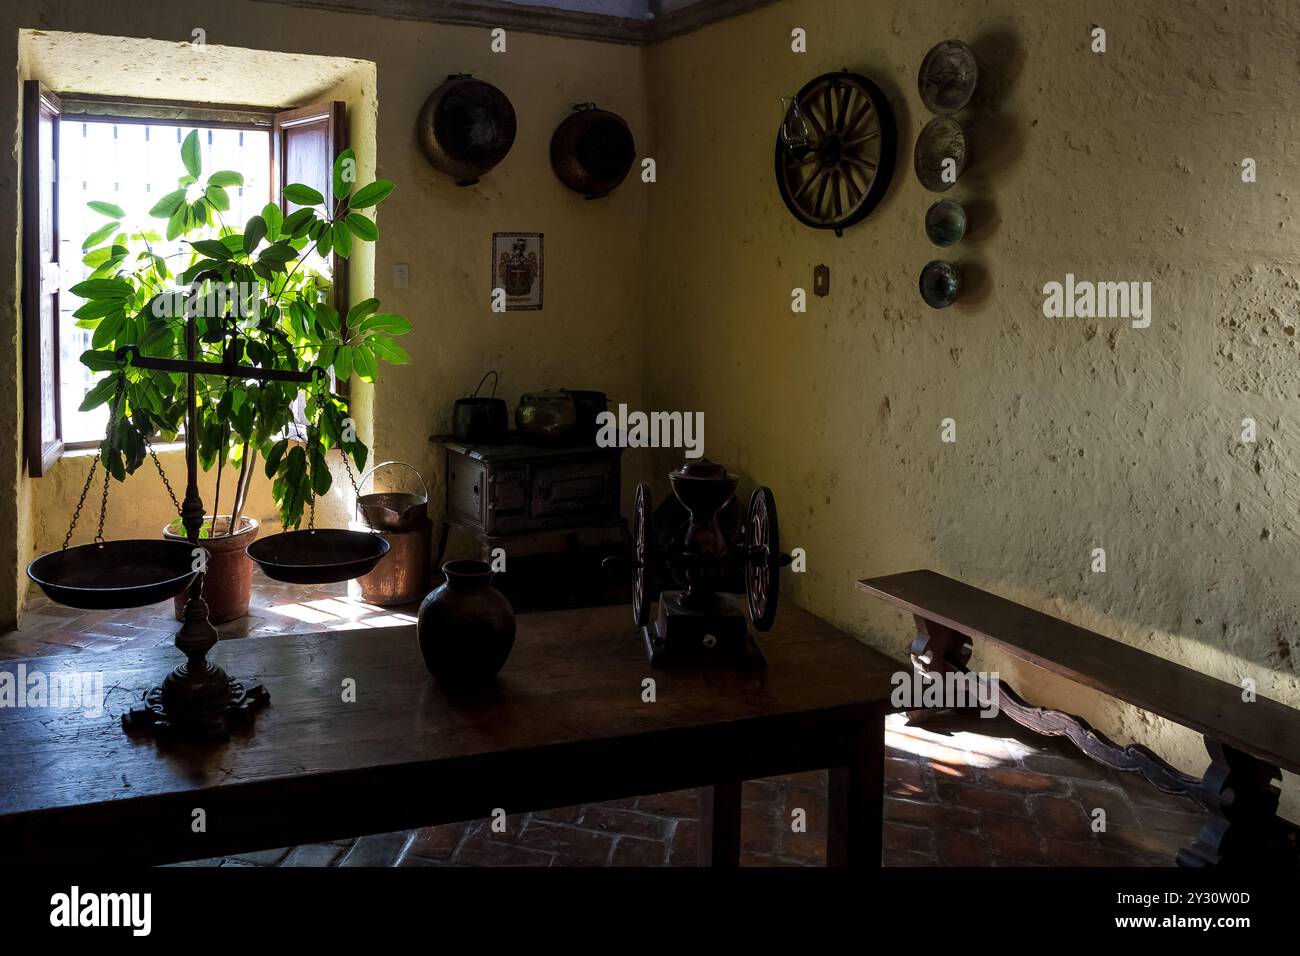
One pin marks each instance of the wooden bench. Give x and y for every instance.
(1247, 741)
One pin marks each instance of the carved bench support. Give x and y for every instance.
(937, 650)
(1237, 789)
(1244, 828)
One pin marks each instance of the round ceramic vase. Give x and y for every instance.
(466, 627)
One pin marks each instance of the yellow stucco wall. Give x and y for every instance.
(1072, 433)
(587, 336)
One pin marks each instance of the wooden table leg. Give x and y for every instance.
(856, 801)
(720, 825)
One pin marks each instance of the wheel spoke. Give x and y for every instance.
(811, 115)
(855, 194)
(792, 163)
(821, 171)
(845, 98)
(863, 113)
(866, 138)
(821, 196)
(861, 163)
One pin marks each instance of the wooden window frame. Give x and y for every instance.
(78, 107)
(40, 453)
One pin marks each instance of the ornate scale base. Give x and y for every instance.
(206, 707)
(684, 636)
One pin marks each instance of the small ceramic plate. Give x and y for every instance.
(940, 284)
(947, 77)
(942, 139)
(945, 223)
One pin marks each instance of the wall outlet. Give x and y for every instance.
(401, 275)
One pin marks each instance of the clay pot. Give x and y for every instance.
(229, 577)
(466, 627)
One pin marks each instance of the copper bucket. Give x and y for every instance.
(402, 519)
(393, 510)
(402, 575)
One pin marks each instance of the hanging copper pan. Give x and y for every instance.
(466, 127)
(592, 150)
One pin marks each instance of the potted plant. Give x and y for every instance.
(258, 297)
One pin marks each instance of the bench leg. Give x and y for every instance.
(856, 802)
(936, 651)
(720, 825)
(1243, 799)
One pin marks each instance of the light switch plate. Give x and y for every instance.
(822, 280)
(401, 275)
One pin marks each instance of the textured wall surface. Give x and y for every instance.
(1072, 434)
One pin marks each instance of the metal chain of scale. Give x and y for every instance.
(114, 409)
(318, 399)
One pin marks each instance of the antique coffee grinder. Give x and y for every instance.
(699, 624)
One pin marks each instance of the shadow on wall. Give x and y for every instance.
(997, 140)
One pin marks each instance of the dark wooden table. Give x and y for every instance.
(565, 724)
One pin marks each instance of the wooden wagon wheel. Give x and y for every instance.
(843, 171)
(643, 536)
(763, 548)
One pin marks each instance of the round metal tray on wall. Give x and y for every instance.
(843, 172)
(592, 150)
(466, 127)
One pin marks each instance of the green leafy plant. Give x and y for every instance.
(259, 298)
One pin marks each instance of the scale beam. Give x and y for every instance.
(228, 369)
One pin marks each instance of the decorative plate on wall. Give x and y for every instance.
(945, 222)
(941, 154)
(466, 127)
(940, 284)
(947, 77)
(835, 151)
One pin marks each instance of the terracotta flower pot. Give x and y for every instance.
(229, 578)
(466, 627)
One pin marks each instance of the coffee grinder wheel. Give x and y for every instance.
(764, 559)
(643, 537)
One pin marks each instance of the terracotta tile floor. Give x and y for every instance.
(960, 791)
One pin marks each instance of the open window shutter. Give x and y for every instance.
(42, 426)
(304, 143)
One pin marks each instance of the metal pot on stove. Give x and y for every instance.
(546, 416)
(481, 420)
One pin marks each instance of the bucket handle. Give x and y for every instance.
(356, 508)
(495, 382)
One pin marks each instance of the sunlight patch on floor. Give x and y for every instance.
(341, 614)
(949, 751)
